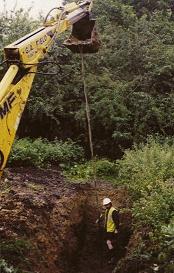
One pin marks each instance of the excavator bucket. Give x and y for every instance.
(84, 37)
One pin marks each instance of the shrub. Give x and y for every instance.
(81, 171)
(105, 167)
(97, 168)
(40, 152)
(156, 208)
(148, 173)
(142, 168)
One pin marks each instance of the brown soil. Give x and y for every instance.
(47, 225)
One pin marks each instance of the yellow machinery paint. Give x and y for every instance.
(11, 108)
(22, 57)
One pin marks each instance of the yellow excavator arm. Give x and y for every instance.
(23, 57)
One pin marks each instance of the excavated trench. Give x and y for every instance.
(91, 253)
(57, 222)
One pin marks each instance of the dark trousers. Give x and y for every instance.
(111, 239)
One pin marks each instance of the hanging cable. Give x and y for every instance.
(87, 107)
(89, 125)
(48, 14)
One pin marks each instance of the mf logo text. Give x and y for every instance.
(7, 105)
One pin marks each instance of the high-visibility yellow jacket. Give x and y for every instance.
(110, 225)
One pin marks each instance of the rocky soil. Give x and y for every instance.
(47, 225)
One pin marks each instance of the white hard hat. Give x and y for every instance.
(106, 201)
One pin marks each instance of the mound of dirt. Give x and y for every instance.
(48, 225)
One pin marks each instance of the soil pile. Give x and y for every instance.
(48, 225)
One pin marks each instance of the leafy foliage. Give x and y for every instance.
(39, 152)
(13, 251)
(130, 81)
(101, 168)
(147, 171)
(14, 247)
(146, 166)
(156, 208)
(14, 25)
(166, 242)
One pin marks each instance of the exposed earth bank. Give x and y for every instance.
(48, 225)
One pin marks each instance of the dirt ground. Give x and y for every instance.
(48, 225)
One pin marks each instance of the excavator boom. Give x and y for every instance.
(23, 57)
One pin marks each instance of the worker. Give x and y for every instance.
(111, 228)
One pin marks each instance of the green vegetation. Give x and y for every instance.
(13, 252)
(147, 171)
(102, 168)
(130, 81)
(14, 247)
(145, 166)
(40, 153)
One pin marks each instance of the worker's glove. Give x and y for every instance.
(97, 221)
(109, 244)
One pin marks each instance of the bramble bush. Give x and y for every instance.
(40, 152)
